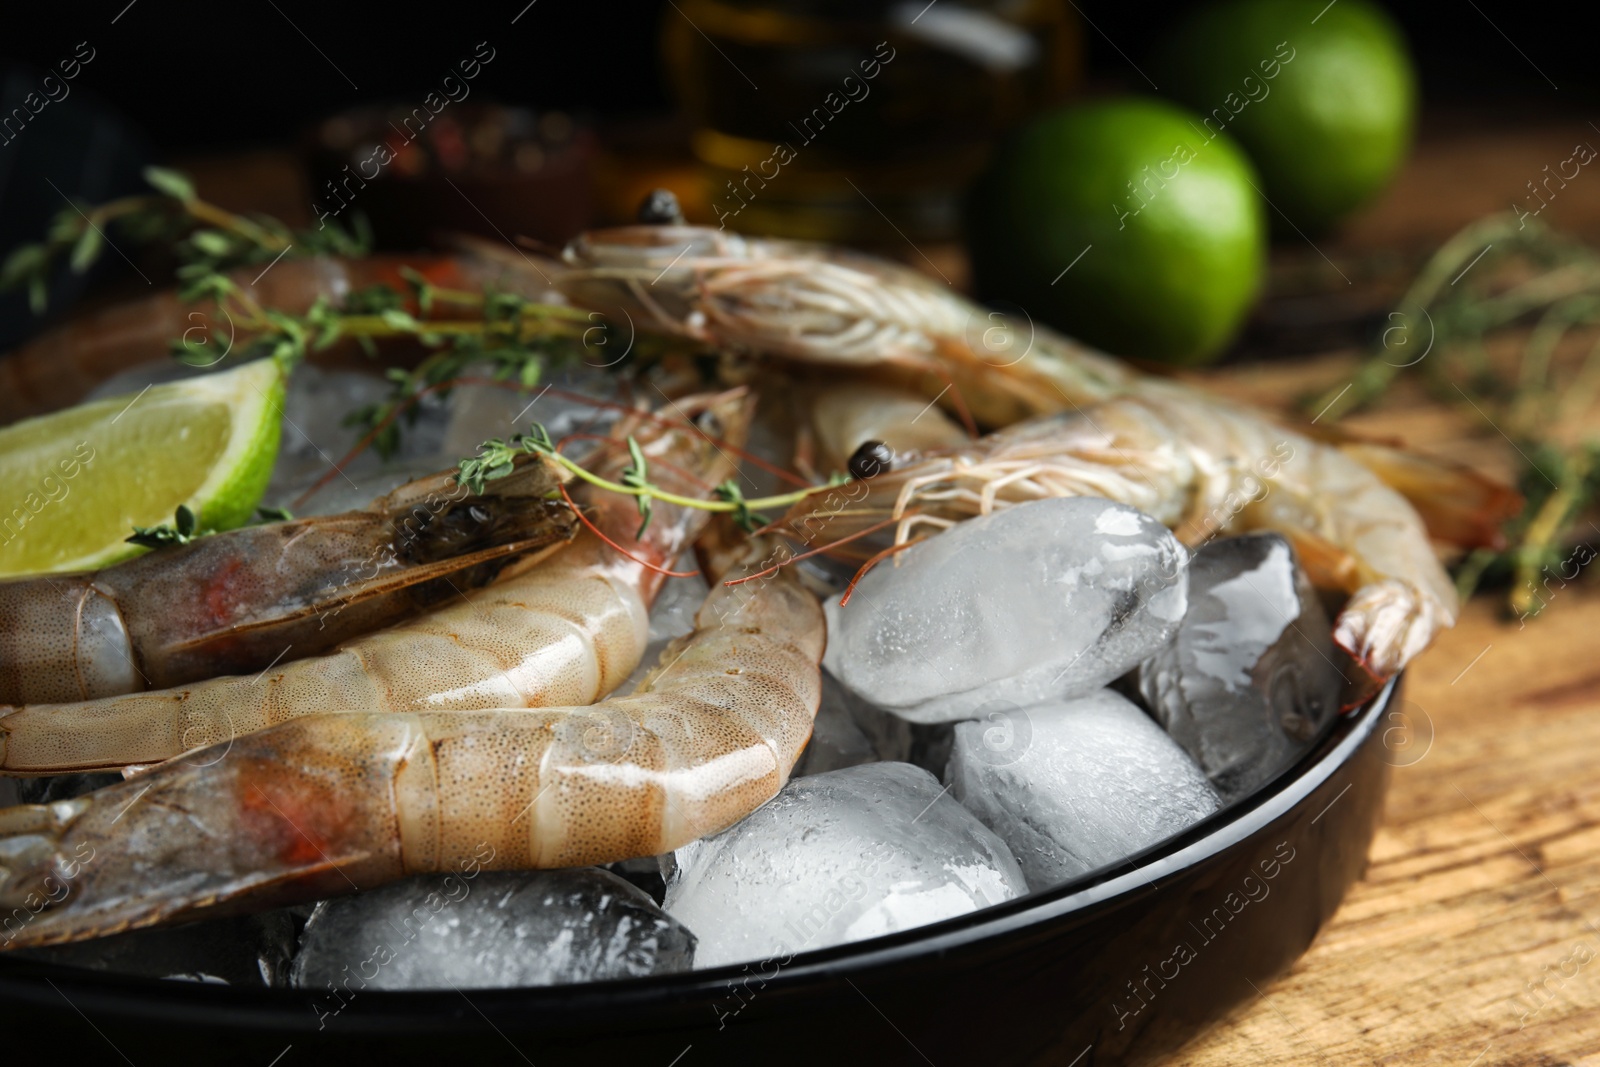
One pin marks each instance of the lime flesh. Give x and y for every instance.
(74, 484)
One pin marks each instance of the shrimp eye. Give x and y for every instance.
(871, 459)
(478, 514)
(709, 423)
(660, 208)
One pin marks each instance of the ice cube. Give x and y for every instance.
(479, 412)
(1051, 598)
(247, 950)
(1251, 678)
(848, 732)
(834, 858)
(648, 873)
(494, 929)
(837, 740)
(672, 614)
(315, 438)
(1072, 785)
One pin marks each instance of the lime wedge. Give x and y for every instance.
(75, 483)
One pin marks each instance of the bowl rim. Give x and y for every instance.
(1216, 833)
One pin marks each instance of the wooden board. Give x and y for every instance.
(1474, 939)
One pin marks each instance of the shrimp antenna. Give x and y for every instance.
(850, 589)
(874, 528)
(962, 411)
(647, 565)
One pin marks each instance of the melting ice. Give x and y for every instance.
(838, 857)
(1251, 678)
(1072, 785)
(1051, 598)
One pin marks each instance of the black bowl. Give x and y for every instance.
(1120, 966)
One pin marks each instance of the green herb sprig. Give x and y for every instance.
(207, 239)
(1497, 275)
(495, 457)
(183, 529)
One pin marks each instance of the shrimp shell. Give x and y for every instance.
(1203, 468)
(814, 304)
(327, 804)
(564, 632)
(245, 599)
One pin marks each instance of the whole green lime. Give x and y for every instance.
(1121, 224)
(1323, 96)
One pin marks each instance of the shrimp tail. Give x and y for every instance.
(332, 804)
(258, 822)
(1458, 505)
(1387, 623)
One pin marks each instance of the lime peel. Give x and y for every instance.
(74, 484)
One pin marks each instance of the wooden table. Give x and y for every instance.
(1474, 938)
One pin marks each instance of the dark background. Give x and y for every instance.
(178, 81)
(198, 76)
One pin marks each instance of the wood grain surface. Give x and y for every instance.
(1474, 939)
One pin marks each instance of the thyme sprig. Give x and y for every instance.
(510, 339)
(185, 527)
(501, 335)
(495, 457)
(514, 340)
(1498, 275)
(207, 239)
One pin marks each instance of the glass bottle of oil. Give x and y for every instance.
(859, 120)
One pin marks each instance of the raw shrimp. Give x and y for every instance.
(564, 632)
(1202, 467)
(844, 417)
(814, 304)
(242, 600)
(328, 804)
(808, 303)
(57, 368)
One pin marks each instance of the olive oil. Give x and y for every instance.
(858, 120)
